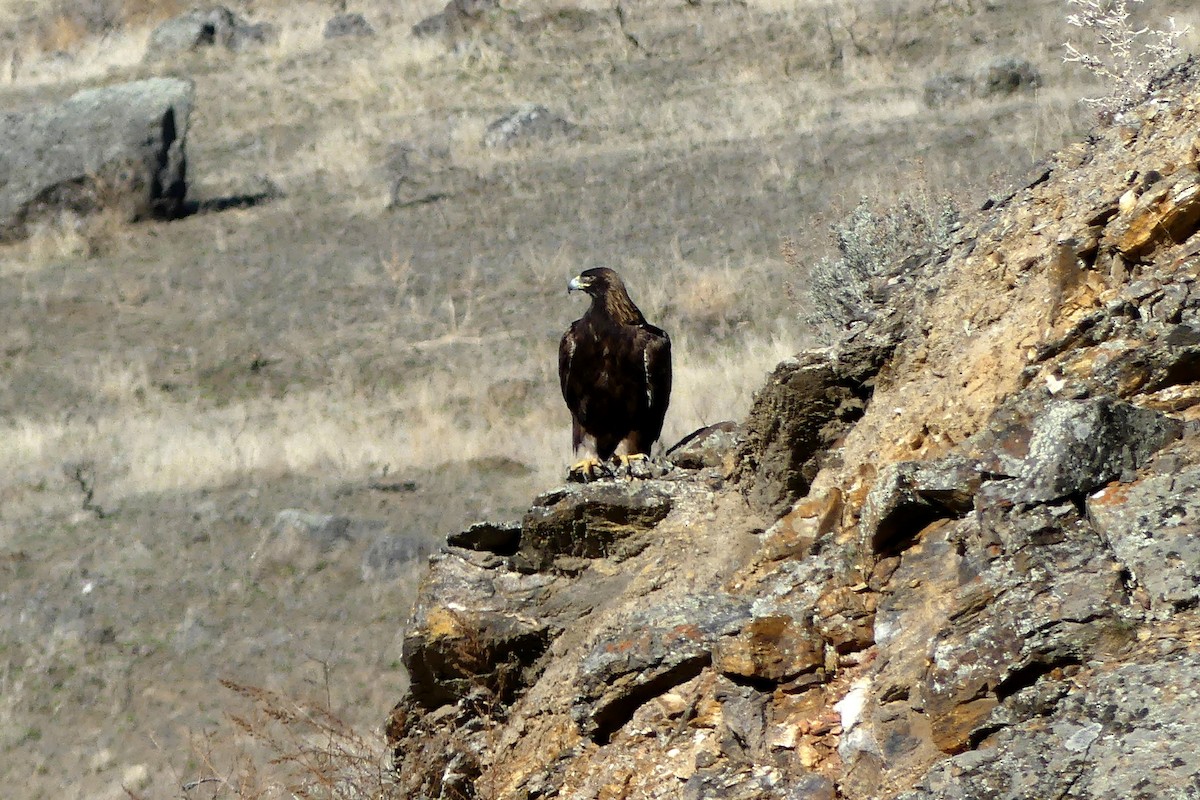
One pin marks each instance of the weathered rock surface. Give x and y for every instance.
(602, 519)
(959, 560)
(1129, 732)
(711, 447)
(121, 147)
(807, 404)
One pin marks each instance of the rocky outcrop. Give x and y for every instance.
(952, 557)
(121, 148)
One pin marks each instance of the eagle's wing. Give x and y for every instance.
(656, 363)
(570, 388)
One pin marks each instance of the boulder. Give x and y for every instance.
(471, 628)
(526, 124)
(606, 519)
(646, 652)
(457, 17)
(711, 447)
(121, 147)
(1129, 732)
(203, 28)
(348, 24)
(1069, 448)
(808, 402)
(1151, 524)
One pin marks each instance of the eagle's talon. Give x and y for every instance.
(589, 469)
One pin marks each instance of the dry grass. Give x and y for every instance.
(147, 443)
(309, 752)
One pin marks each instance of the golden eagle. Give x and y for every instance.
(615, 372)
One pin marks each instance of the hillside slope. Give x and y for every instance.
(954, 556)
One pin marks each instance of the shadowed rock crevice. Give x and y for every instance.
(1029, 674)
(607, 720)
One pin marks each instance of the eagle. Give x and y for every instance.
(615, 372)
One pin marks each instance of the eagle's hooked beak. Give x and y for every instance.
(576, 285)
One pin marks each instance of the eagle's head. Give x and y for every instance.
(596, 281)
(608, 295)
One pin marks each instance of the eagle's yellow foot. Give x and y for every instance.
(589, 469)
(630, 460)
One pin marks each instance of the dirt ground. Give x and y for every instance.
(353, 347)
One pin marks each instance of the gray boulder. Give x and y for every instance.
(346, 24)
(117, 147)
(1130, 731)
(202, 28)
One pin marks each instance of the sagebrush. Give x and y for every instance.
(879, 249)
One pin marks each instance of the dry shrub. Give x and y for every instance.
(881, 251)
(1128, 56)
(298, 749)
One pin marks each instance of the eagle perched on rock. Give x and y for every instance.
(615, 372)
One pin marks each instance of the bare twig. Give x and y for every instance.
(83, 473)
